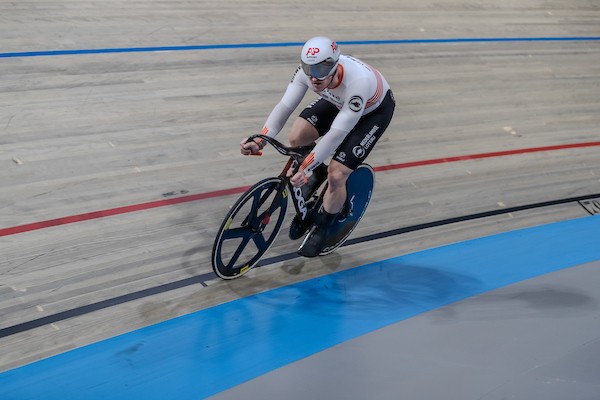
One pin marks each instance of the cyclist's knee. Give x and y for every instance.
(337, 175)
(302, 133)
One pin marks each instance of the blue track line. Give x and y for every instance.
(211, 350)
(47, 53)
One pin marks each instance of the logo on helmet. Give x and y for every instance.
(313, 51)
(334, 46)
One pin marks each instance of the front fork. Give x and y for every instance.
(296, 193)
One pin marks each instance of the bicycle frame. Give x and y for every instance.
(296, 154)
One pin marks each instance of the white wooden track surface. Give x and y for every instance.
(90, 132)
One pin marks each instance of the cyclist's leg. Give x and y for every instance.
(335, 196)
(333, 202)
(353, 151)
(349, 155)
(314, 121)
(302, 133)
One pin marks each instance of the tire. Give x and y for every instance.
(249, 228)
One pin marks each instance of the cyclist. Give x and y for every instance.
(354, 109)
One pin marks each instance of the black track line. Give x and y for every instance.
(200, 279)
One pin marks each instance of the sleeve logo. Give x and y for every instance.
(355, 103)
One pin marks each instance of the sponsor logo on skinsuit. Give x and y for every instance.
(355, 103)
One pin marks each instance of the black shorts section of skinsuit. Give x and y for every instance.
(362, 138)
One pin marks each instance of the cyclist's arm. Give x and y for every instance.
(343, 123)
(291, 99)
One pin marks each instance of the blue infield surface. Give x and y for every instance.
(203, 353)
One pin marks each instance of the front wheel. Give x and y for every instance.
(250, 228)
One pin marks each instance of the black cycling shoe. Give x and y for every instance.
(314, 243)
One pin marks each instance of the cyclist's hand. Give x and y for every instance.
(299, 179)
(250, 148)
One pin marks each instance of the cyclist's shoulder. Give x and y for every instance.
(300, 77)
(356, 71)
(354, 65)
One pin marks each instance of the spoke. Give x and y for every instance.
(239, 251)
(260, 242)
(276, 204)
(249, 220)
(236, 233)
(258, 199)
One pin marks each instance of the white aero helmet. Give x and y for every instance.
(320, 56)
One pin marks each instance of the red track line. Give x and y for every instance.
(484, 155)
(218, 193)
(119, 210)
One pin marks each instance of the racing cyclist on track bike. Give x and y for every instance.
(354, 109)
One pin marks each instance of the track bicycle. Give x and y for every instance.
(256, 218)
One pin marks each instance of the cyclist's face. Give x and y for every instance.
(321, 84)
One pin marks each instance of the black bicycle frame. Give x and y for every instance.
(296, 155)
(296, 193)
